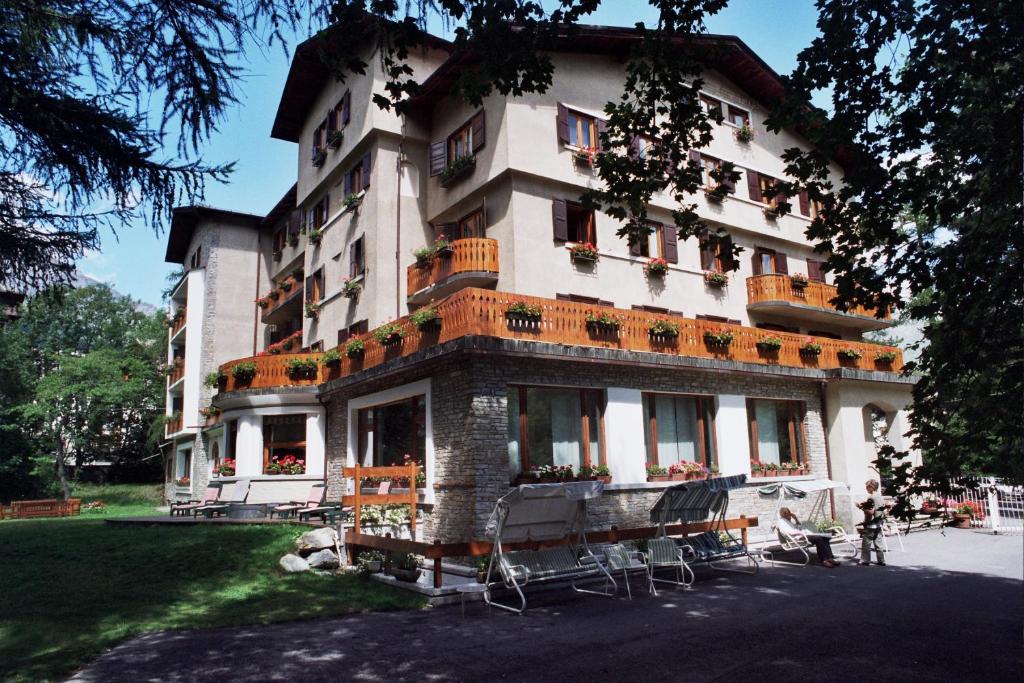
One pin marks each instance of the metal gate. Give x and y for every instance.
(1002, 504)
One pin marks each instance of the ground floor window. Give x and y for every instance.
(184, 464)
(554, 426)
(390, 431)
(284, 444)
(679, 429)
(776, 431)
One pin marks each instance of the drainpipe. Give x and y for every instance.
(398, 223)
(828, 452)
(256, 316)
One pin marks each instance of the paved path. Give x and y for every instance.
(949, 609)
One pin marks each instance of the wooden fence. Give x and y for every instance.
(51, 507)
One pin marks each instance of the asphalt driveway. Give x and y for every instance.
(947, 609)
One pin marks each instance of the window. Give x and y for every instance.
(315, 286)
(712, 106)
(215, 456)
(708, 166)
(679, 429)
(460, 143)
(776, 431)
(656, 309)
(717, 319)
(582, 130)
(814, 270)
(464, 142)
(550, 426)
(283, 436)
(573, 223)
(317, 215)
(768, 261)
(767, 185)
(357, 258)
(317, 347)
(580, 299)
(470, 226)
(659, 243)
(738, 117)
(196, 259)
(353, 330)
(232, 440)
(183, 466)
(777, 328)
(822, 333)
(340, 113)
(280, 239)
(641, 146)
(389, 432)
(319, 138)
(716, 255)
(358, 177)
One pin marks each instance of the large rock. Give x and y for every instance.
(324, 559)
(317, 539)
(294, 563)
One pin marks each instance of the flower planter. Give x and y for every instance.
(373, 566)
(393, 339)
(444, 252)
(678, 476)
(407, 575)
(596, 327)
(453, 173)
(522, 317)
(664, 337)
(767, 348)
(604, 479)
(584, 258)
(714, 196)
(432, 325)
(961, 521)
(659, 477)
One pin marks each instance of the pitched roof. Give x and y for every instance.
(183, 225)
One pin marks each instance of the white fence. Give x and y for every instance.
(1002, 504)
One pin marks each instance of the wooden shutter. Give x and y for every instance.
(438, 156)
(560, 220)
(728, 260)
(757, 261)
(694, 156)
(309, 288)
(805, 204)
(781, 263)
(346, 108)
(707, 255)
(348, 183)
(343, 336)
(634, 146)
(477, 126)
(669, 246)
(366, 170)
(634, 249)
(728, 183)
(447, 229)
(563, 123)
(753, 185)
(814, 271)
(602, 127)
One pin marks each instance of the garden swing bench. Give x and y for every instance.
(695, 502)
(793, 540)
(552, 514)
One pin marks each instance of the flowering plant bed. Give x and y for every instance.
(301, 368)
(770, 469)
(716, 278)
(520, 310)
(584, 252)
(769, 344)
(426, 319)
(718, 340)
(663, 329)
(331, 358)
(657, 473)
(849, 354)
(603, 322)
(244, 372)
(798, 280)
(656, 267)
(286, 464)
(686, 471)
(355, 348)
(388, 334)
(458, 168)
(226, 468)
(286, 344)
(350, 288)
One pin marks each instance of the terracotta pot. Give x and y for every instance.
(658, 477)
(961, 522)
(606, 479)
(481, 577)
(407, 575)
(677, 476)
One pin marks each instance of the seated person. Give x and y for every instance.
(789, 523)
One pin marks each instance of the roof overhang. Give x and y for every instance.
(185, 219)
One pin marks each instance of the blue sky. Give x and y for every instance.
(133, 261)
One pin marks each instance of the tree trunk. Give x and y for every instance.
(62, 474)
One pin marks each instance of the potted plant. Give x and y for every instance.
(443, 247)
(603, 322)
(334, 139)
(663, 329)
(482, 564)
(744, 133)
(657, 473)
(370, 561)
(456, 169)
(656, 267)
(584, 156)
(423, 256)
(244, 371)
(596, 472)
(331, 358)
(799, 281)
(312, 310)
(277, 254)
(426, 318)
(286, 285)
(523, 311)
(226, 467)
(964, 513)
(351, 201)
(718, 339)
(849, 354)
(315, 235)
(677, 471)
(215, 379)
(768, 344)
(350, 288)
(885, 357)
(930, 506)
(406, 568)
(771, 210)
(302, 368)
(183, 481)
(388, 334)
(355, 348)
(716, 193)
(756, 469)
(810, 348)
(584, 252)
(716, 278)
(211, 413)
(318, 158)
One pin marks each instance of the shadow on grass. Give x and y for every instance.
(783, 624)
(78, 587)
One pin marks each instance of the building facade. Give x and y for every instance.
(431, 287)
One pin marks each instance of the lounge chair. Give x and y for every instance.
(238, 495)
(315, 499)
(620, 559)
(210, 496)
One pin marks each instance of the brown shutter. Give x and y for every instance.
(346, 107)
(728, 260)
(447, 229)
(560, 220)
(602, 127)
(353, 259)
(707, 255)
(634, 249)
(805, 204)
(634, 146)
(814, 271)
(309, 289)
(694, 156)
(753, 185)
(756, 263)
(728, 183)
(669, 246)
(563, 123)
(438, 156)
(781, 263)
(477, 126)
(366, 170)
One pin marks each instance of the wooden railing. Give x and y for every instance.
(762, 288)
(359, 499)
(474, 254)
(179, 323)
(174, 424)
(272, 371)
(176, 373)
(282, 296)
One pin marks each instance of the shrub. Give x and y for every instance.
(244, 371)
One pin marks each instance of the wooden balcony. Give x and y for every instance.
(775, 294)
(473, 262)
(286, 303)
(178, 324)
(481, 312)
(174, 425)
(176, 374)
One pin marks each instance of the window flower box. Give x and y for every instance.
(214, 380)
(849, 355)
(210, 414)
(583, 252)
(318, 158)
(351, 200)
(768, 344)
(312, 310)
(523, 312)
(315, 235)
(293, 240)
(355, 348)
(663, 330)
(585, 156)
(657, 473)
(596, 473)
(771, 211)
(244, 372)
(226, 467)
(426, 319)
(443, 248)
(457, 169)
(286, 464)
(715, 278)
(798, 281)
(603, 322)
(331, 358)
(350, 289)
(744, 133)
(334, 139)
(656, 267)
(718, 340)
(388, 334)
(302, 368)
(885, 357)
(183, 481)
(715, 193)
(423, 256)
(810, 349)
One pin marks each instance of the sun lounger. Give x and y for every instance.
(210, 496)
(314, 500)
(238, 495)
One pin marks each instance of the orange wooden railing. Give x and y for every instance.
(761, 288)
(176, 373)
(272, 371)
(475, 254)
(174, 424)
(282, 296)
(179, 323)
(359, 499)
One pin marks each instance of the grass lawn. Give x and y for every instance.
(120, 500)
(75, 587)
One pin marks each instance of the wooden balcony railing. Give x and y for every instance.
(765, 288)
(178, 324)
(287, 290)
(481, 312)
(470, 255)
(176, 374)
(174, 424)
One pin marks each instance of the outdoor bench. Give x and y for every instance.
(708, 548)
